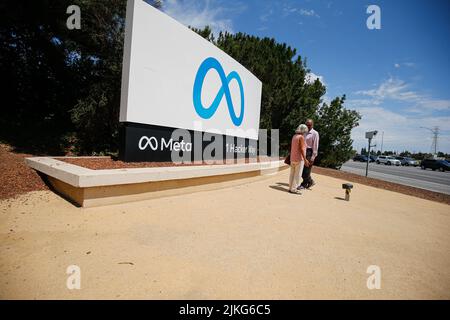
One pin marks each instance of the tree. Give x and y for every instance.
(39, 84)
(287, 98)
(95, 115)
(63, 85)
(63, 88)
(334, 125)
(405, 154)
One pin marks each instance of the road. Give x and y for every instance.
(410, 176)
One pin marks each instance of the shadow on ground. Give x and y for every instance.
(279, 186)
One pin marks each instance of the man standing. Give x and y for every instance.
(312, 147)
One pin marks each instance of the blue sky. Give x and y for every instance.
(397, 77)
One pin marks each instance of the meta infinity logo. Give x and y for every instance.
(206, 113)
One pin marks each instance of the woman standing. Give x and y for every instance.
(298, 158)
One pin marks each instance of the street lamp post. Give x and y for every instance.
(369, 136)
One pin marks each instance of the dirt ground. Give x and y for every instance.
(252, 241)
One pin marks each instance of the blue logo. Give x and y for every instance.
(206, 113)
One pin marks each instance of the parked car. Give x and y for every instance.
(388, 160)
(402, 160)
(373, 158)
(434, 164)
(406, 161)
(360, 158)
(412, 162)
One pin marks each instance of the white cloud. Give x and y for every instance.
(409, 64)
(401, 129)
(310, 13)
(390, 89)
(326, 99)
(199, 14)
(398, 90)
(405, 64)
(288, 10)
(265, 17)
(433, 104)
(311, 77)
(401, 132)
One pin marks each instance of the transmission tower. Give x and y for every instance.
(434, 144)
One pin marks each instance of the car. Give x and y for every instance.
(388, 160)
(373, 158)
(406, 161)
(402, 160)
(380, 159)
(360, 158)
(435, 164)
(411, 162)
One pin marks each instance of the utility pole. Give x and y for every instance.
(435, 132)
(382, 139)
(369, 136)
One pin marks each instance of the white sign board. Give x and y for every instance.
(173, 77)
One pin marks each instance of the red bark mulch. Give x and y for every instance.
(15, 176)
(109, 163)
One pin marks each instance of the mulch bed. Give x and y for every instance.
(15, 176)
(109, 163)
(380, 184)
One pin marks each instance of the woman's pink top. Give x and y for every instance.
(296, 155)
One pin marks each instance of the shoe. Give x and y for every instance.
(294, 191)
(312, 183)
(300, 187)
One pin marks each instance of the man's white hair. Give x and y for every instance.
(301, 129)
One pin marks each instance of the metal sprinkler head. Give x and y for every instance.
(347, 187)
